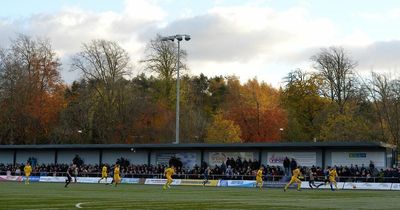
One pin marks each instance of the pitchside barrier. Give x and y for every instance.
(273, 178)
(211, 183)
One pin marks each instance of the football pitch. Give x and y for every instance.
(127, 196)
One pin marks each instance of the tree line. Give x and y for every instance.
(109, 105)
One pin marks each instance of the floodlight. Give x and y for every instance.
(187, 37)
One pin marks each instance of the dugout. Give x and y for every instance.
(306, 153)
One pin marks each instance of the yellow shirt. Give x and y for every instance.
(296, 173)
(116, 171)
(28, 169)
(332, 173)
(259, 173)
(169, 172)
(104, 170)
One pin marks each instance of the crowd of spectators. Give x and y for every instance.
(232, 169)
(360, 173)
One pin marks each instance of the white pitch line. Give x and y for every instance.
(78, 205)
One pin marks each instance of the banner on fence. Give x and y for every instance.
(130, 180)
(86, 179)
(11, 178)
(367, 186)
(302, 158)
(395, 186)
(104, 181)
(199, 182)
(32, 178)
(322, 185)
(162, 181)
(52, 179)
(270, 184)
(237, 183)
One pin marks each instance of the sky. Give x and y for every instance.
(263, 39)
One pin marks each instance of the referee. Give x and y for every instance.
(206, 175)
(70, 171)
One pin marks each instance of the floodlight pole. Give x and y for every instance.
(179, 38)
(177, 98)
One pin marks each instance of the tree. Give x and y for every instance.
(256, 109)
(31, 91)
(77, 118)
(344, 127)
(197, 114)
(161, 58)
(384, 93)
(103, 63)
(153, 115)
(337, 70)
(302, 100)
(222, 131)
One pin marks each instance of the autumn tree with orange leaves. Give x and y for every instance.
(31, 91)
(256, 108)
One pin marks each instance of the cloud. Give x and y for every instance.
(70, 27)
(378, 56)
(249, 41)
(389, 15)
(248, 33)
(225, 40)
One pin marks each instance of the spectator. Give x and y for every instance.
(293, 165)
(76, 174)
(223, 167)
(371, 165)
(286, 165)
(229, 172)
(275, 173)
(239, 162)
(18, 172)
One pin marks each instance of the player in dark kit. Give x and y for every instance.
(311, 181)
(70, 171)
(206, 174)
(326, 178)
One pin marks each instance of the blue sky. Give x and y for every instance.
(254, 38)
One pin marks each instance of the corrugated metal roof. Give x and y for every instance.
(283, 145)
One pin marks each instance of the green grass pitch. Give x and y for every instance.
(127, 196)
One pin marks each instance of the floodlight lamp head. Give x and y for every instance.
(164, 39)
(171, 38)
(187, 37)
(179, 37)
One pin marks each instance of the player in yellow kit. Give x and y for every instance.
(168, 173)
(103, 173)
(116, 179)
(27, 170)
(332, 178)
(259, 177)
(295, 178)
